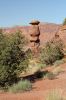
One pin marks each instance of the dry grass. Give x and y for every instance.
(59, 62)
(57, 70)
(33, 68)
(21, 86)
(55, 95)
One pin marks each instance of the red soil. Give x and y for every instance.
(40, 88)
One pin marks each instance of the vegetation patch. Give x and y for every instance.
(13, 59)
(21, 86)
(57, 70)
(51, 52)
(64, 22)
(55, 95)
(59, 62)
(50, 75)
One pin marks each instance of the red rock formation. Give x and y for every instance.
(62, 34)
(34, 36)
(47, 31)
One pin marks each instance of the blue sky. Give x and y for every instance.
(21, 12)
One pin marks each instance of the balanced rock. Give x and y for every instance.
(34, 35)
(34, 22)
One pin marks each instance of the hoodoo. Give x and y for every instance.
(34, 36)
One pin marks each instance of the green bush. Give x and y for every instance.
(50, 76)
(59, 62)
(29, 54)
(21, 86)
(64, 22)
(51, 52)
(12, 58)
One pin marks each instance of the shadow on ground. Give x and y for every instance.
(36, 76)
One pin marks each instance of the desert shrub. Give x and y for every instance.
(58, 62)
(21, 86)
(64, 22)
(41, 65)
(39, 74)
(51, 52)
(55, 95)
(51, 75)
(12, 58)
(57, 70)
(29, 54)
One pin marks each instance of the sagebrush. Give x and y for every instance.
(12, 58)
(51, 52)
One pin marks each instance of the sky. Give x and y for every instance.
(21, 12)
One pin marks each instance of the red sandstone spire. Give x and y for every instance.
(34, 35)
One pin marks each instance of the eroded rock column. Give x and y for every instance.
(34, 36)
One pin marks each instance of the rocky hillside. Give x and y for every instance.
(47, 31)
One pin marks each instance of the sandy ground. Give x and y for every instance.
(41, 87)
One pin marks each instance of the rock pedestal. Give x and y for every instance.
(34, 36)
